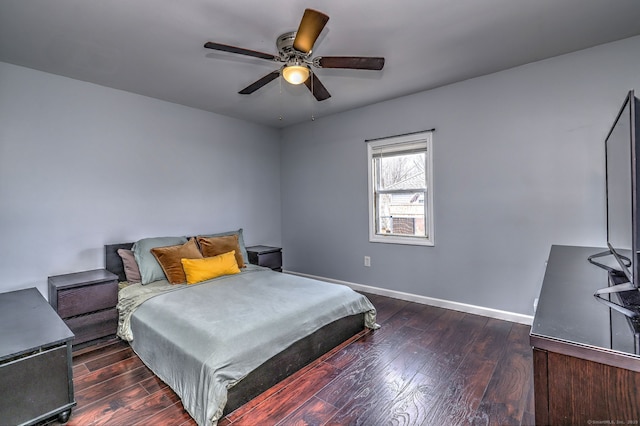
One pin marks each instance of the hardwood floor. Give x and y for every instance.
(424, 366)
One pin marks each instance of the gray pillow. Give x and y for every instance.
(243, 249)
(150, 269)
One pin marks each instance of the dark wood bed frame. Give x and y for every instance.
(281, 365)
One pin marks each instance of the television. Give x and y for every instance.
(622, 153)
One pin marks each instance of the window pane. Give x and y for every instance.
(401, 214)
(405, 171)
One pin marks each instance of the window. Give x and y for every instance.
(401, 189)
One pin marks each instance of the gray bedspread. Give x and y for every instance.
(202, 339)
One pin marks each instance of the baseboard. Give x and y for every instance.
(456, 306)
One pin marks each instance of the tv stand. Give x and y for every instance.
(628, 309)
(631, 299)
(618, 283)
(605, 253)
(586, 360)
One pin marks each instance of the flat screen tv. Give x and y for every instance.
(622, 154)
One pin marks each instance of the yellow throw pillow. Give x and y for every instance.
(169, 259)
(197, 270)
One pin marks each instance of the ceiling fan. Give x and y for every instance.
(294, 50)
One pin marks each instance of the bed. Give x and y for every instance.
(221, 342)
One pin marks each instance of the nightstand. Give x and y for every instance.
(86, 301)
(270, 257)
(36, 376)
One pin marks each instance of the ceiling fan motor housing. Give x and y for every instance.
(284, 43)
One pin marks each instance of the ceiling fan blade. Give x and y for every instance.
(310, 28)
(350, 62)
(239, 50)
(258, 84)
(317, 88)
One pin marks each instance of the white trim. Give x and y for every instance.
(422, 138)
(447, 304)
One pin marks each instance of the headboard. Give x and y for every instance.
(112, 260)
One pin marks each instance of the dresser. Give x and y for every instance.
(36, 378)
(86, 301)
(585, 361)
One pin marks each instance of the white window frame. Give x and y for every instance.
(398, 143)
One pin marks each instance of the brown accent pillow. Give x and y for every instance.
(214, 246)
(131, 270)
(170, 257)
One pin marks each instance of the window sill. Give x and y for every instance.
(392, 239)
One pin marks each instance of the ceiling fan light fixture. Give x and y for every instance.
(295, 74)
(294, 53)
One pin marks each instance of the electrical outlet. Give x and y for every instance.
(367, 261)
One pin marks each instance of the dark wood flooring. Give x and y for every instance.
(424, 366)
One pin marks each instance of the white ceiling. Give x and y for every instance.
(155, 47)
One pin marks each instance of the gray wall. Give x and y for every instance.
(83, 165)
(518, 166)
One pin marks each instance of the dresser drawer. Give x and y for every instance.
(270, 260)
(81, 300)
(35, 384)
(93, 326)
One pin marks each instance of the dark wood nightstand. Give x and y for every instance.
(270, 257)
(86, 301)
(36, 377)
